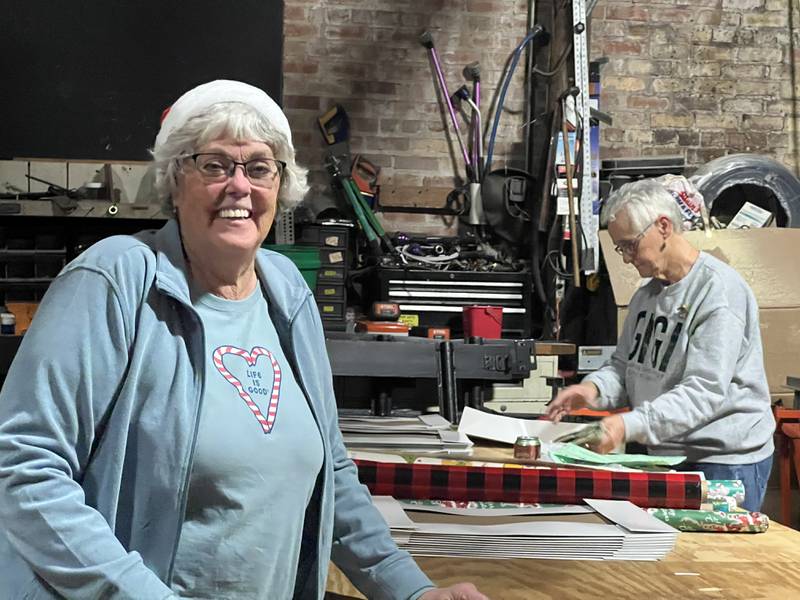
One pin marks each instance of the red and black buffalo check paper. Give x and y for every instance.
(557, 486)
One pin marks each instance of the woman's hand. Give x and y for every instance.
(459, 591)
(613, 434)
(577, 396)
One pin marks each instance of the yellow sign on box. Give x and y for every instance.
(410, 320)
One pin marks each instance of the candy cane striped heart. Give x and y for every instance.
(251, 358)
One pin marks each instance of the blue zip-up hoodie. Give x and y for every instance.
(98, 420)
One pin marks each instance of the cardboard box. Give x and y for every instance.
(769, 260)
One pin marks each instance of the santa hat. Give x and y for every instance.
(198, 99)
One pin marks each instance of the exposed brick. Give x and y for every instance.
(767, 89)
(715, 53)
(759, 55)
(713, 139)
(763, 123)
(299, 30)
(692, 103)
(688, 138)
(698, 69)
(626, 13)
(699, 156)
(655, 103)
(713, 86)
(747, 141)
(715, 121)
(672, 65)
(671, 120)
(673, 51)
(306, 68)
(628, 84)
(766, 19)
(665, 136)
(622, 47)
(375, 87)
(741, 71)
(338, 16)
(710, 17)
(741, 5)
(301, 102)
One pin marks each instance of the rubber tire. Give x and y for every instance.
(716, 176)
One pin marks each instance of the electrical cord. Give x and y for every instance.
(532, 34)
(557, 67)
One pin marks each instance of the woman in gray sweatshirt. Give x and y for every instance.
(689, 362)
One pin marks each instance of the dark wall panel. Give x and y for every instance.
(89, 79)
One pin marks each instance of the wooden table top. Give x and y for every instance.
(733, 566)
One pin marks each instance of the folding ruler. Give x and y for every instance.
(589, 221)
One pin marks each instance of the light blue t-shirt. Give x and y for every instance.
(256, 461)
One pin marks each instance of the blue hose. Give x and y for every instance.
(534, 32)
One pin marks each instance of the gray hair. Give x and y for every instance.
(643, 201)
(226, 119)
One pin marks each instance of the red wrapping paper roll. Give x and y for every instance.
(560, 486)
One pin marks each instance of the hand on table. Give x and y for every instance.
(459, 591)
(573, 397)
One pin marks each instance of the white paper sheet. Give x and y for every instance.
(498, 428)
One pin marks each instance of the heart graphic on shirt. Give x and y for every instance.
(250, 358)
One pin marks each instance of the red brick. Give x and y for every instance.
(627, 13)
(301, 102)
(615, 48)
(299, 30)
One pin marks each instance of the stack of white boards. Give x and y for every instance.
(602, 530)
(431, 433)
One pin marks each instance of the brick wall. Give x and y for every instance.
(367, 57)
(703, 78)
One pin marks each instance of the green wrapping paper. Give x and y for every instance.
(711, 521)
(718, 489)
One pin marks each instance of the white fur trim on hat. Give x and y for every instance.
(198, 99)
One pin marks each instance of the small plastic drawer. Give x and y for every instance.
(326, 292)
(332, 274)
(330, 310)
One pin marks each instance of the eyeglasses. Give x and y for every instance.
(262, 172)
(629, 247)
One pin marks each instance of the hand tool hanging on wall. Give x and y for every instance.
(426, 39)
(365, 174)
(372, 228)
(476, 212)
(472, 72)
(568, 163)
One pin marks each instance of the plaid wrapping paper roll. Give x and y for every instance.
(560, 486)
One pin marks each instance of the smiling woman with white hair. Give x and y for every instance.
(688, 362)
(168, 427)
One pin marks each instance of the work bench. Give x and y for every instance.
(733, 566)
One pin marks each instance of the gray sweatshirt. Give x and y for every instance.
(689, 363)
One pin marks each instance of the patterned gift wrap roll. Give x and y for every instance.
(712, 522)
(726, 504)
(726, 488)
(560, 486)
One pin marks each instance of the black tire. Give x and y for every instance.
(751, 171)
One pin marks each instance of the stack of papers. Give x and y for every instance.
(616, 530)
(431, 433)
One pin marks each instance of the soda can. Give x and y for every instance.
(527, 447)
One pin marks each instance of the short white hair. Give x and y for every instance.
(226, 119)
(643, 201)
